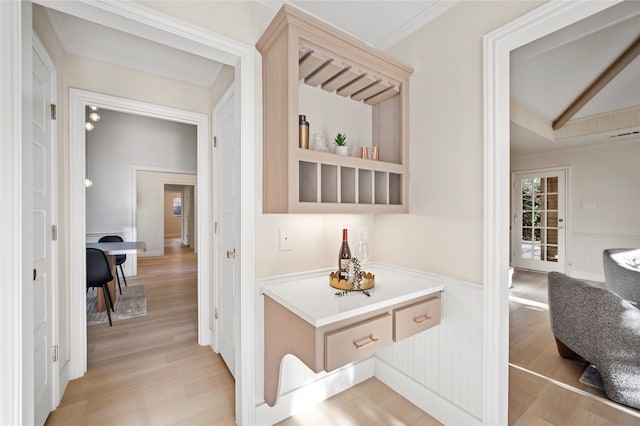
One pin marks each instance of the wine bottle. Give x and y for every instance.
(303, 132)
(343, 257)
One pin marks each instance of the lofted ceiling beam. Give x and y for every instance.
(614, 69)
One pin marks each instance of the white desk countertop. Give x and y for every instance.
(119, 247)
(315, 301)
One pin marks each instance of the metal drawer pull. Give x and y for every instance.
(423, 318)
(367, 341)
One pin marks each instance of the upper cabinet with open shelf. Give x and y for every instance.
(349, 87)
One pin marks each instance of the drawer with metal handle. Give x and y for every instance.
(415, 318)
(358, 341)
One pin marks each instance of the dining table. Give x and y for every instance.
(111, 249)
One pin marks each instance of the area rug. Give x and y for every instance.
(591, 377)
(132, 303)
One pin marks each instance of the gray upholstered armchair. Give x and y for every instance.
(601, 328)
(622, 272)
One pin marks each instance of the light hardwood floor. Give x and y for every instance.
(543, 385)
(151, 371)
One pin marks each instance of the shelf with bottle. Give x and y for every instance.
(366, 96)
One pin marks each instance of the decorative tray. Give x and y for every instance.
(367, 282)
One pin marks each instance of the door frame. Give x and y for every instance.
(134, 201)
(16, 388)
(497, 46)
(567, 219)
(78, 101)
(149, 23)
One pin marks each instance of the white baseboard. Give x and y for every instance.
(151, 253)
(309, 395)
(63, 381)
(587, 276)
(428, 401)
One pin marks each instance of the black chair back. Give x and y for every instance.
(120, 258)
(98, 271)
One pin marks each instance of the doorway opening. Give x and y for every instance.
(79, 101)
(178, 216)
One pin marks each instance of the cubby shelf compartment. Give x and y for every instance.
(298, 49)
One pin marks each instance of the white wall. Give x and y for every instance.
(607, 175)
(445, 220)
(150, 188)
(118, 143)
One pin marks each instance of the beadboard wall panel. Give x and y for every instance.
(586, 253)
(446, 359)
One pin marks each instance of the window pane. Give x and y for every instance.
(552, 254)
(526, 234)
(537, 186)
(526, 203)
(552, 219)
(552, 184)
(525, 251)
(536, 251)
(526, 219)
(526, 186)
(536, 218)
(539, 202)
(552, 202)
(552, 236)
(537, 233)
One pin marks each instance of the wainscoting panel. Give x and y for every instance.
(586, 253)
(446, 360)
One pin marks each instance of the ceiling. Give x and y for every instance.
(547, 74)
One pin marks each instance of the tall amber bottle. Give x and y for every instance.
(303, 132)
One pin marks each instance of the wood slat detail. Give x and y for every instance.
(357, 85)
(310, 63)
(382, 96)
(370, 91)
(342, 79)
(326, 73)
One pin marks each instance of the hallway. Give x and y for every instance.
(151, 370)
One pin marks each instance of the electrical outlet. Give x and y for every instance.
(285, 240)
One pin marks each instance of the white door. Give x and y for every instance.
(227, 154)
(538, 228)
(43, 245)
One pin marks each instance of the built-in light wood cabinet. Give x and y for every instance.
(298, 49)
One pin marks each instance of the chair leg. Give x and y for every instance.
(123, 277)
(118, 279)
(107, 299)
(109, 296)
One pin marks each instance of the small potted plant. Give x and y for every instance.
(341, 144)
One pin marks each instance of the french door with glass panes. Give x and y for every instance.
(538, 221)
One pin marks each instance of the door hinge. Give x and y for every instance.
(215, 227)
(53, 111)
(216, 313)
(55, 353)
(215, 141)
(54, 232)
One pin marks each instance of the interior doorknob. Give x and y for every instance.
(231, 254)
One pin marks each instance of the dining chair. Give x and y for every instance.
(99, 275)
(119, 258)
